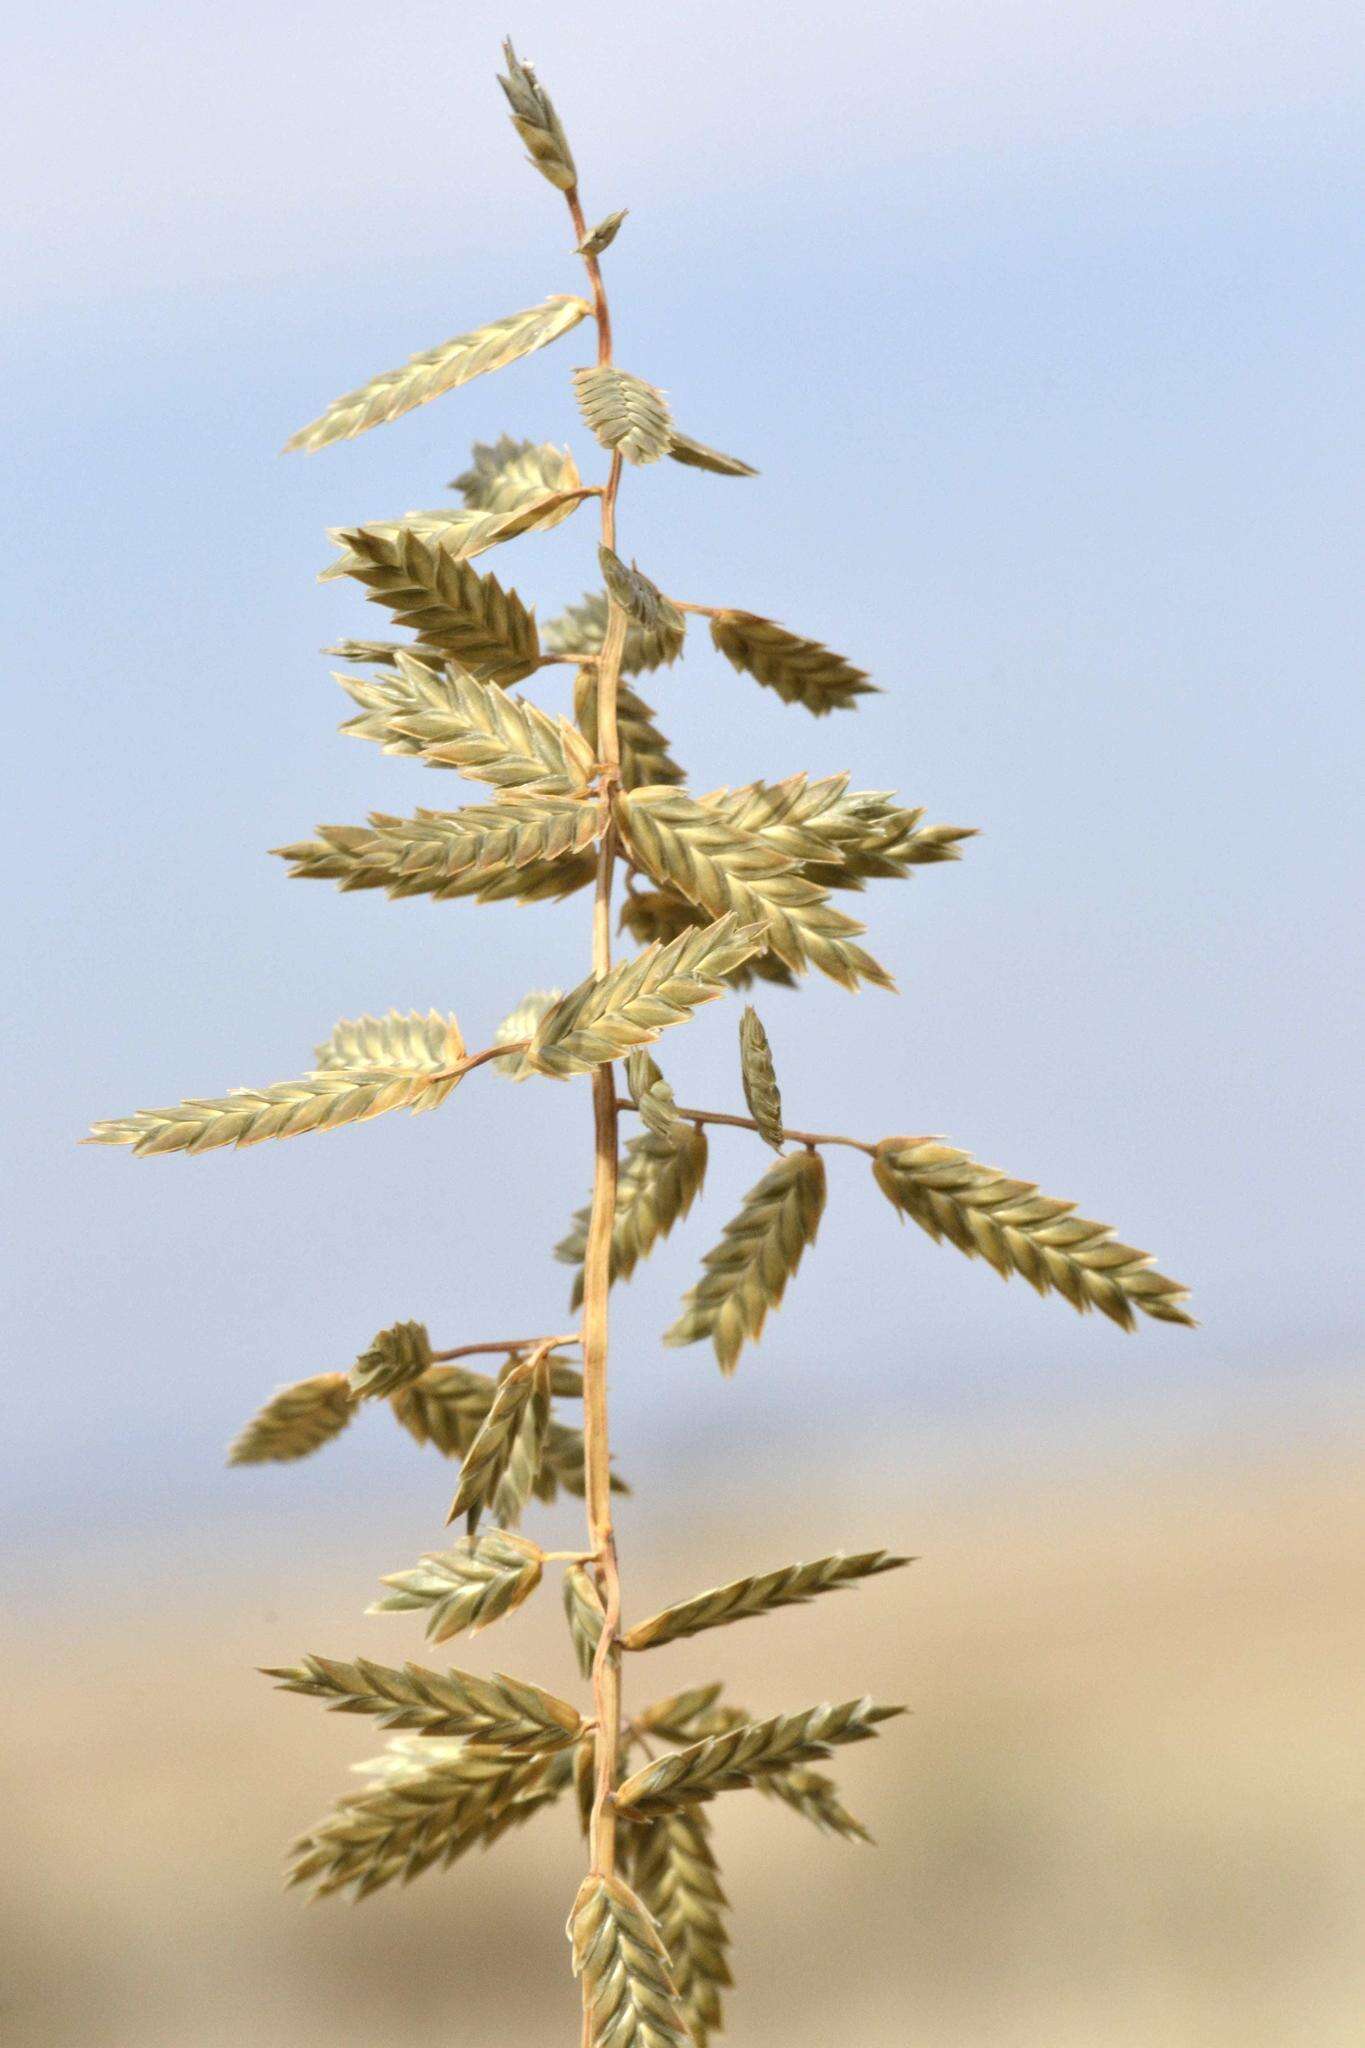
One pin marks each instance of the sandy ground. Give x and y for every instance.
(1127, 1812)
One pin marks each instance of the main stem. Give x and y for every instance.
(606, 1670)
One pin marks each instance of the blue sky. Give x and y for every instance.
(1043, 326)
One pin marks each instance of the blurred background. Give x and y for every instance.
(1043, 325)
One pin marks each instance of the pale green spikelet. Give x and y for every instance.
(473, 1583)
(585, 1615)
(675, 1873)
(296, 1421)
(630, 1998)
(536, 122)
(624, 413)
(508, 1712)
(440, 369)
(800, 671)
(723, 1763)
(747, 1273)
(759, 1078)
(1017, 1230)
(793, 1585)
(394, 1358)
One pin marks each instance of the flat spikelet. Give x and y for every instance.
(395, 1357)
(581, 629)
(426, 584)
(839, 837)
(659, 1180)
(645, 755)
(463, 533)
(625, 414)
(759, 1078)
(629, 1997)
(584, 1613)
(419, 1813)
(801, 671)
(536, 122)
(696, 455)
(508, 1712)
(506, 474)
(503, 1461)
(641, 600)
(676, 1718)
(401, 1039)
(742, 1755)
(436, 370)
(321, 1101)
(601, 1019)
(453, 853)
(688, 848)
(1017, 1230)
(604, 234)
(473, 1583)
(793, 1585)
(518, 1026)
(429, 854)
(815, 1796)
(675, 1874)
(453, 720)
(747, 1273)
(654, 1098)
(296, 1421)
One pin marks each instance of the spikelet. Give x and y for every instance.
(436, 370)
(603, 235)
(506, 474)
(452, 853)
(420, 1812)
(629, 1997)
(463, 533)
(502, 1462)
(654, 1098)
(685, 847)
(601, 1019)
(641, 600)
(319, 1102)
(759, 1077)
(400, 1039)
(815, 1796)
(453, 720)
(466, 1587)
(740, 1756)
(425, 583)
(677, 1718)
(584, 1613)
(659, 1180)
(295, 1421)
(645, 755)
(395, 1358)
(536, 122)
(675, 1874)
(696, 455)
(793, 1585)
(1017, 1230)
(747, 1273)
(518, 1026)
(625, 414)
(508, 1712)
(582, 628)
(409, 857)
(839, 837)
(801, 671)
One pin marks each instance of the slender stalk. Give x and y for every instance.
(746, 1123)
(606, 1670)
